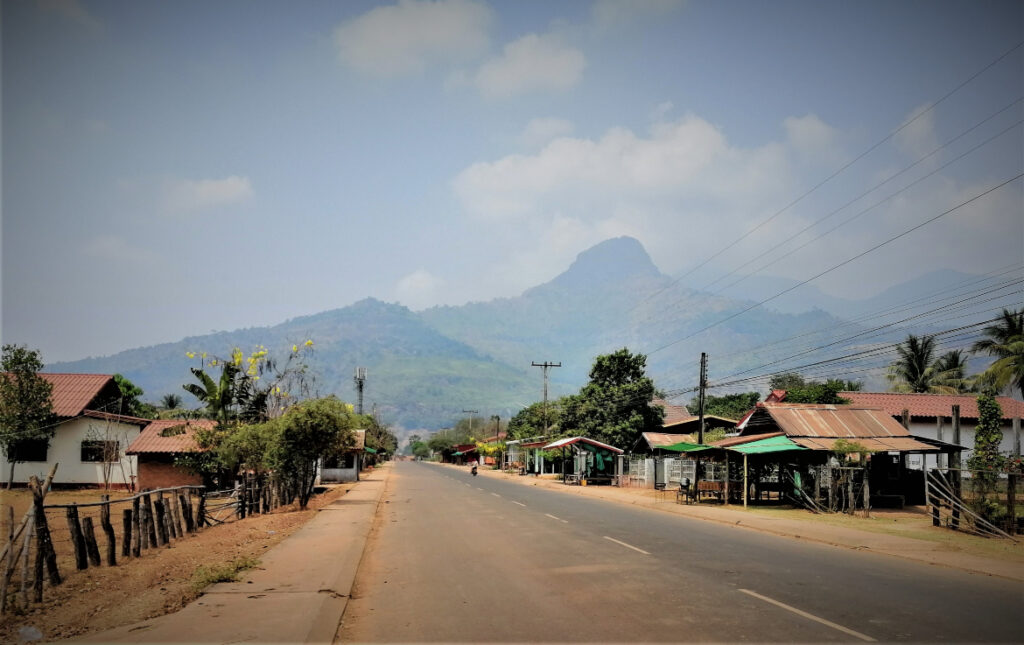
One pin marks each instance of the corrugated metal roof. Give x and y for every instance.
(673, 413)
(838, 421)
(872, 444)
(568, 441)
(931, 405)
(728, 442)
(153, 439)
(72, 393)
(659, 439)
(773, 443)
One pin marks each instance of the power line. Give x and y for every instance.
(843, 263)
(871, 149)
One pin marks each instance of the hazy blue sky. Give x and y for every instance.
(175, 167)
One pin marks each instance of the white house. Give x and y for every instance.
(932, 415)
(345, 467)
(90, 438)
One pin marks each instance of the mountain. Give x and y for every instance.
(426, 368)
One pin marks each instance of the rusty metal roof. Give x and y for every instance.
(931, 405)
(169, 436)
(818, 420)
(659, 439)
(871, 444)
(568, 441)
(673, 413)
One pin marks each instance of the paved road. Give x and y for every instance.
(457, 558)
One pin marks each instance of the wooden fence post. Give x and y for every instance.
(147, 503)
(9, 567)
(176, 515)
(108, 530)
(77, 539)
(44, 544)
(137, 531)
(126, 532)
(144, 539)
(201, 511)
(26, 547)
(169, 516)
(161, 525)
(91, 548)
(186, 511)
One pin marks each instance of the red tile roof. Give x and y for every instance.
(153, 440)
(73, 393)
(931, 405)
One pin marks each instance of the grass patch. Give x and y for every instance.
(204, 576)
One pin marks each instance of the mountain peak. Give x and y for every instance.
(609, 261)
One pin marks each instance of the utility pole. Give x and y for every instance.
(471, 413)
(360, 378)
(546, 365)
(703, 387)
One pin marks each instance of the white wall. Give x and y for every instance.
(66, 450)
(929, 431)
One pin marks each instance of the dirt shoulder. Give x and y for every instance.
(159, 582)
(904, 534)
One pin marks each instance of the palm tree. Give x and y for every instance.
(951, 371)
(171, 401)
(1006, 342)
(218, 397)
(915, 370)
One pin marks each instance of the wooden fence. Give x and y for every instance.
(56, 537)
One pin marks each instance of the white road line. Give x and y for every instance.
(520, 503)
(478, 488)
(557, 518)
(800, 612)
(496, 495)
(628, 546)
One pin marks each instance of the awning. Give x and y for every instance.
(778, 443)
(456, 454)
(370, 450)
(871, 444)
(683, 446)
(568, 441)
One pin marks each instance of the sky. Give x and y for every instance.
(169, 169)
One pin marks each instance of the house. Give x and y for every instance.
(679, 421)
(90, 438)
(157, 447)
(346, 466)
(808, 434)
(931, 416)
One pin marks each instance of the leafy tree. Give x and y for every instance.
(305, 434)
(218, 396)
(814, 392)
(420, 449)
(1005, 342)
(730, 406)
(794, 382)
(170, 402)
(786, 381)
(986, 458)
(531, 420)
(26, 407)
(951, 372)
(614, 406)
(131, 402)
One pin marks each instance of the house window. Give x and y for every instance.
(348, 460)
(31, 450)
(100, 451)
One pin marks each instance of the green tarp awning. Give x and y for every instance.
(456, 454)
(370, 450)
(682, 446)
(771, 444)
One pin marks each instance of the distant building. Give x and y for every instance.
(346, 466)
(157, 447)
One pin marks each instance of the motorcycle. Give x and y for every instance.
(473, 470)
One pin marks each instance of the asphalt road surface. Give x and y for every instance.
(457, 558)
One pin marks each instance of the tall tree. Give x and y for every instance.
(614, 406)
(951, 372)
(218, 396)
(307, 433)
(1005, 341)
(914, 370)
(730, 406)
(26, 407)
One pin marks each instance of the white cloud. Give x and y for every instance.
(194, 195)
(116, 249)
(404, 38)
(419, 289)
(72, 11)
(918, 138)
(809, 134)
(529, 64)
(542, 130)
(608, 14)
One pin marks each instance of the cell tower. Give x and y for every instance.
(359, 378)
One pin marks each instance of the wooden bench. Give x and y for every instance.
(714, 489)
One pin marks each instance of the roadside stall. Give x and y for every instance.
(590, 461)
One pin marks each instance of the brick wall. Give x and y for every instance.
(163, 474)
